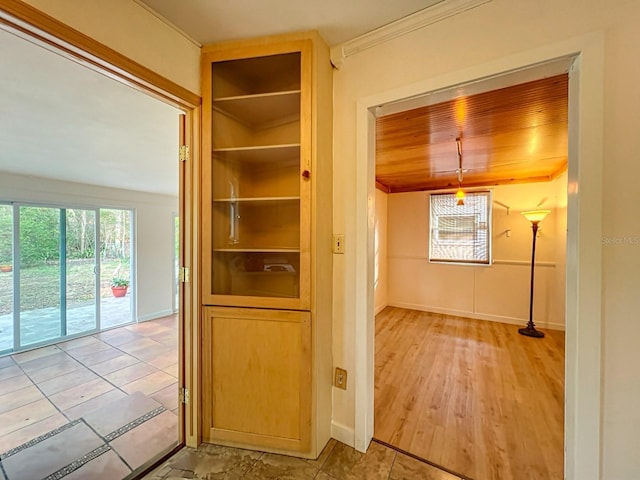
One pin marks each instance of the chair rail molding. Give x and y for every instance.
(408, 24)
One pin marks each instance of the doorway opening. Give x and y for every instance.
(455, 384)
(96, 392)
(584, 273)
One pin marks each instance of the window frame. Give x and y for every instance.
(489, 229)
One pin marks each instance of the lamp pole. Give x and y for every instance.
(535, 217)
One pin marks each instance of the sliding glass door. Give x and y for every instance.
(39, 275)
(57, 267)
(57, 273)
(81, 272)
(116, 305)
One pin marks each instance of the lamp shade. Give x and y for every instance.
(535, 216)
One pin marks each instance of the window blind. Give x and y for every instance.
(460, 233)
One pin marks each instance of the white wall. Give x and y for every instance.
(153, 229)
(380, 248)
(504, 33)
(499, 292)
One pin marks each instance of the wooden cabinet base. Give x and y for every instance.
(257, 372)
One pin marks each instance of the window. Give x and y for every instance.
(460, 233)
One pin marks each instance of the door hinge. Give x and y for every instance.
(184, 153)
(184, 396)
(184, 274)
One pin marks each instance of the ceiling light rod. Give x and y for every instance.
(460, 193)
(459, 169)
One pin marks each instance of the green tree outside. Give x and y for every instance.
(40, 254)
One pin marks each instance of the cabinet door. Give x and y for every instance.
(257, 378)
(256, 180)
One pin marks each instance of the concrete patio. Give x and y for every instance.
(44, 324)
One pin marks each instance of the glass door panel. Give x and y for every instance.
(81, 271)
(41, 317)
(6, 278)
(115, 267)
(256, 175)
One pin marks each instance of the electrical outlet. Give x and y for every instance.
(340, 379)
(338, 243)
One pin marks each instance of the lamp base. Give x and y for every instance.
(531, 332)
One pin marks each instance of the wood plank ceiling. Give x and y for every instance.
(511, 135)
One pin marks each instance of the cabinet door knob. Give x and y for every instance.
(306, 173)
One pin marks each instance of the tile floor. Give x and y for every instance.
(100, 407)
(94, 407)
(337, 462)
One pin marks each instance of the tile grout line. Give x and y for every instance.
(134, 423)
(108, 444)
(136, 357)
(88, 367)
(102, 377)
(55, 343)
(67, 469)
(255, 462)
(71, 423)
(130, 354)
(126, 428)
(79, 463)
(15, 364)
(2, 471)
(43, 394)
(326, 459)
(47, 396)
(38, 439)
(125, 353)
(393, 463)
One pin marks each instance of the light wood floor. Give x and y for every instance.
(473, 396)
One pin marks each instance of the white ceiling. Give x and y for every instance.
(63, 121)
(208, 21)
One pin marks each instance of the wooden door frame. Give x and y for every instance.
(25, 21)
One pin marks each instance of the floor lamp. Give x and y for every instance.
(535, 217)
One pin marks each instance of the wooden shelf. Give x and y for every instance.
(258, 250)
(285, 154)
(257, 200)
(254, 75)
(261, 110)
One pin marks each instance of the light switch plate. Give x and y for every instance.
(340, 379)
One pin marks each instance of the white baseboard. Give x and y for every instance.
(155, 315)
(343, 434)
(476, 316)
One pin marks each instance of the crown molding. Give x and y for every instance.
(416, 21)
(167, 22)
